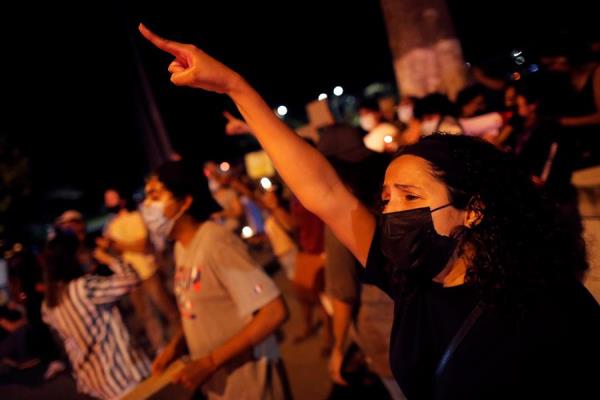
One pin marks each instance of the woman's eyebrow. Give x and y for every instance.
(407, 187)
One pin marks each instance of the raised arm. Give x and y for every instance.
(304, 169)
(108, 289)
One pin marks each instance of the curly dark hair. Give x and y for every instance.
(522, 243)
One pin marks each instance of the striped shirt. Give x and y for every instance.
(105, 364)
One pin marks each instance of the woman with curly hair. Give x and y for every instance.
(483, 279)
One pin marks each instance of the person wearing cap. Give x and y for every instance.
(73, 221)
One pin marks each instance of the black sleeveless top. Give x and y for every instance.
(551, 351)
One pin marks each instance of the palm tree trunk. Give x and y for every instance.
(426, 52)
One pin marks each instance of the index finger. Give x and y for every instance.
(170, 46)
(228, 115)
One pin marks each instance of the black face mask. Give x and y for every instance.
(410, 243)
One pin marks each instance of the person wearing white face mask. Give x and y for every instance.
(153, 211)
(381, 135)
(405, 109)
(229, 307)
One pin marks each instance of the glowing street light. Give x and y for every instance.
(224, 166)
(282, 111)
(247, 232)
(322, 96)
(338, 90)
(265, 183)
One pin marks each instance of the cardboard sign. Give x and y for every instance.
(258, 165)
(161, 386)
(319, 114)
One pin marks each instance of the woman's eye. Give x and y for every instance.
(411, 197)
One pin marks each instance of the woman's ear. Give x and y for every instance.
(475, 212)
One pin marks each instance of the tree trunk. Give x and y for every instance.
(427, 54)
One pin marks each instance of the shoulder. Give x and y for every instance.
(217, 238)
(583, 301)
(570, 305)
(212, 231)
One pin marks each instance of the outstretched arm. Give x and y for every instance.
(304, 169)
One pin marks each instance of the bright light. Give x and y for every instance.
(247, 232)
(516, 53)
(388, 139)
(322, 96)
(282, 111)
(265, 183)
(338, 90)
(224, 166)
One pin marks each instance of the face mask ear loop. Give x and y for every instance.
(441, 207)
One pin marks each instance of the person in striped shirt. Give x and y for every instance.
(82, 309)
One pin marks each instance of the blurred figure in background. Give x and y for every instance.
(126, 236)
(82, 308)
(278, 227)
(73, 221)
(471, 101)
(381, 135)
(571, 79)
(232, 209)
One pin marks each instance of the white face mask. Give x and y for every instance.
(367, 122)
(153, 214)
(405, 113)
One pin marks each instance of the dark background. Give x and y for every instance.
(68, 71)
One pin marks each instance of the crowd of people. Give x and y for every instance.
(437, 244)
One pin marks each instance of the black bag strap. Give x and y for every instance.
(458, 338)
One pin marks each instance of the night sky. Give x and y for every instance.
(67, 70)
